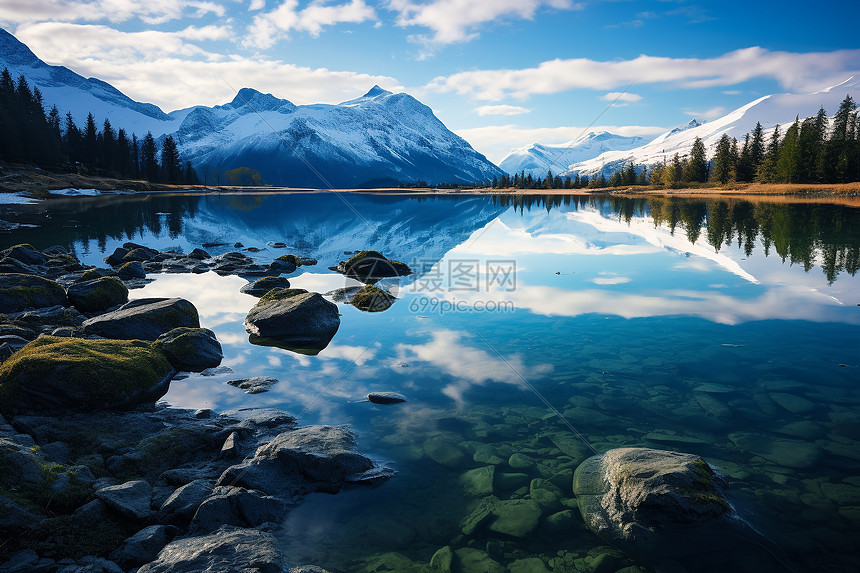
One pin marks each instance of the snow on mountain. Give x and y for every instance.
(376, 140)
(770, 110)
(536, 159)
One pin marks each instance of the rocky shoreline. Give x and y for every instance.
(97, 477)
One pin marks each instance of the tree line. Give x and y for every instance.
(30, 135)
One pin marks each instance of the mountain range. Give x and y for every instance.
(379, 139)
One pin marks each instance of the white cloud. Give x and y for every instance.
(150, 12)
(167, 69)
(270, 27)
(453, 21)
(496, 141)
(257, 5)
(501, 110)
(795, 71)
(621, 96)
(712, 113)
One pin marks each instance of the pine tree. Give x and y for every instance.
(91, 142)
(839, 148)
(697, 167)
(767, 171)
(171, 166)
(786, 166)
(148, 162)
(723, 162)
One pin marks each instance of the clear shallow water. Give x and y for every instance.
(734, 337)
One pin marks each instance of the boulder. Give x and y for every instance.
(254, 385)
(130, 498)
(144, 319)
(227, 549)
(261, 286)
(372, 299)
(24, 253)
(314, 458)
(282, 265)
(115, 258)
(371, 266)
(190, 349)
(295, 317)
(143, 546)
(22, 291)
(97, 295)
(237, 506)
(54, 374)
(131, 270)
(199, 254)
(386, 398)
(182, 504)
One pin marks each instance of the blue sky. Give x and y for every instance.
(501, 73)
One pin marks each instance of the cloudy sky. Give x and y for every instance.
(501, 73)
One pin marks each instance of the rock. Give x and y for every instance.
(371, 266)
(228, 549)
(190, 349)
(22, 291)
(236, 506)
(144, 319)
(131, 270)
(97, 295)
(386, 397)
(787, 453)
(528, 565)
(230, 449)
(372, 299)
(261, 286)
(314, 458)
(254, 385)
(444, 452)
(520, 461)
(560, 521)
(53, 374)
(115, 258)
(130, 498)
(24, 253)
(442, 560)
(478, 482)
(15, 518)
(198, 254)
(282, 264)
(294, 316)
(508, 481)
(91, 514)
(474, 561)
(182, 504)
(143, 546)
(792, 403)
(515, 517)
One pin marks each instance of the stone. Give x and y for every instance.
(15, 518)
(787, 453)
(263, 285)
(560, 521)
(53, 374)
(182, 504)
(190, 349)
(143, 546)
(509, 481)
(478, 482)
(476, 561)
(792, 403)
(91, 514)
(444, 452)
(371, 266)
(130, 498)
(442, 560)
(520, 461)
(144, 319)
(97, 295)
(131, 270)
(295, 317)
(386, 398)
(236, 506)
(313, 458)
(230, 449)
(528, 565)
(227, 549)
(371, 298)
(19, 292)
(198, 254)
(255, 384)
(115, 258)
(515, 517)
(546, 493)
(24, 253)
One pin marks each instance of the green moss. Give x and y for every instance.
(90, 275)
(372, 299)
(364, 254)
(282, 294)
(289, 259)
(104, 371)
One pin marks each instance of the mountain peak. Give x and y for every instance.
(257, 101)
(15, 53)
(376, 91)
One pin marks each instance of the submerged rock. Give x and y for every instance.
(190, 349)
(53, 374)
(255, 384)
(294, 317)
(144, 319)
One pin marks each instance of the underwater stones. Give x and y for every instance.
(98, 294)
(442, 560)
(528, 565)
(478, 482)
(560, 521)
(53, 374)
(786, 453)
(792, 403)
(255, 384)
(190, 349)
(520, 461)
(294, 316)
(511, 480)
(22, 291)
(712, 406)
(546, 493)
(629, 494)
(476, 561)
(515, 517)
(263, 285)
(841, 493)
(144, 319)
(226, 549)
(444, 452)
(386, 398)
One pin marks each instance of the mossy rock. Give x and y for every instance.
(25, 253)
(55, 374)
(131, 270)
(190, 349)
(263, 285)
(97, 295)
(19, 292)
(144, 319)
(294, 317)
(373, 299)
(371, 266)
(276, 294)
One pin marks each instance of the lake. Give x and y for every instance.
(536, 332)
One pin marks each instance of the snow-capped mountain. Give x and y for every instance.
(770, 110)
(536, 159)
(378, 139)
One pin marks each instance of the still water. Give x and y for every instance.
(722, 328)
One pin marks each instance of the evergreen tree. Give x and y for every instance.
(786, 166)
(840, 147)
(723, 161)
(91, 141)
(171, 166)
(107, 151)
(697, 167)
(744, 172)
(148, 162)
(767, 171)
